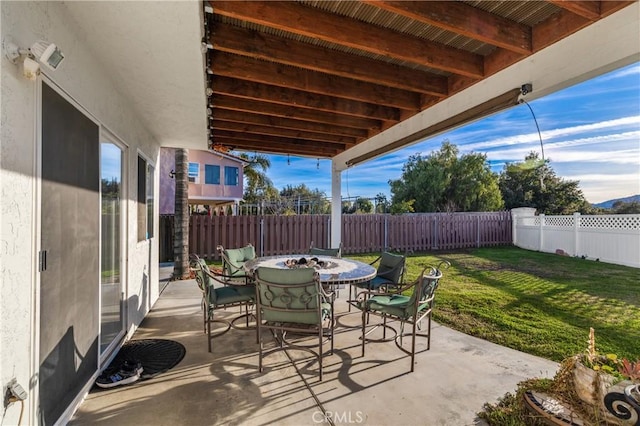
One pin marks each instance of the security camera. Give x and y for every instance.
(47, 53)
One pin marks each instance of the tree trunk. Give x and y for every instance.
(181, 222)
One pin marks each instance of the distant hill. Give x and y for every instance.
(608, 204)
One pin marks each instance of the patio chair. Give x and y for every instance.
(233, 261)
(221, 297)
(293, 301)
(332, 252)
(390, 274)
(407, 309)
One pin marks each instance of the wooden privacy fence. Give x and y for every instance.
(371, 233)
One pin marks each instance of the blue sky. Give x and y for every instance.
(590, 132)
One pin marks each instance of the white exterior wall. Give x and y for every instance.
(83, 78)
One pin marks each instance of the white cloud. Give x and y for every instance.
(632, 122)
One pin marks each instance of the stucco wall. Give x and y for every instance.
(222, 191)
(198, 193)
(82, 77)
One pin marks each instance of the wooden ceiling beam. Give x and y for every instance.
(245, 42)
(465, 20)
(306, 21)
(279, 95)
(295, 148)
(288, 123)
(268, 139)
(557, 27)
(586, 9)
(231, 126)
(268, 108)
(244, 68)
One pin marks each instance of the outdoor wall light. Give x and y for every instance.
(41, 51)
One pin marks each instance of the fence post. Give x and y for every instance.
(541, 232)
(435, 232)
(576, 230)
(329, 233)
(477, 230)
(261, 236)
(386, 234)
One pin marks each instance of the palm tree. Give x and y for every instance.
(257, 181)
(181, 220)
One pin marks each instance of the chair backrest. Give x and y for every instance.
(423, 295)
(233, 260)
(332, 252)
(391, 267)
(204, 280)
(315, 251)
(288, 295)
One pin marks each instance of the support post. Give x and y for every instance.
(336, 206)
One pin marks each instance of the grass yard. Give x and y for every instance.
(539, 303)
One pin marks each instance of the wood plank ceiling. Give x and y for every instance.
(315, 78)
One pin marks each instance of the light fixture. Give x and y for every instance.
(41, 51)
(172, 174)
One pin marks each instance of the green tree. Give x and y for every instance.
(442, 181)
(258, 186)
(303, 200)
(382, 204)
(403, 207)
(363, 205)
(533, 183)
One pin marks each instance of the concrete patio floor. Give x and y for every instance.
(450, 384)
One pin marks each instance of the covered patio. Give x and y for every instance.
(342, 80)
(451, 382)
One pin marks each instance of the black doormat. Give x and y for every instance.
(156, 356)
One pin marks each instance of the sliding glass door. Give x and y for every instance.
(111, 273)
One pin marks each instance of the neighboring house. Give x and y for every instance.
(215, 180)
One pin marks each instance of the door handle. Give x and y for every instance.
(42, 261)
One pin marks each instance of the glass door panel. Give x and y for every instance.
(111, 318)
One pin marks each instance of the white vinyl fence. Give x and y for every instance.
(607, 238)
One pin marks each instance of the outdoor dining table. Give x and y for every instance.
(334, 272)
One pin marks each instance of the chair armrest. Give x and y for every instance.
(327, 294)
(227, 280)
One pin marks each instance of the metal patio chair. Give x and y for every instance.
(409, 304)
(390, 274)
(233, 261)
(332, 252)
(292, 301)
(224, 296)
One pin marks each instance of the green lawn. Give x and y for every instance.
(539, 303)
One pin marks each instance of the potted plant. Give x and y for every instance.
(589, 388)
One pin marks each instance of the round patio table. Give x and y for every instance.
(333, 271)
